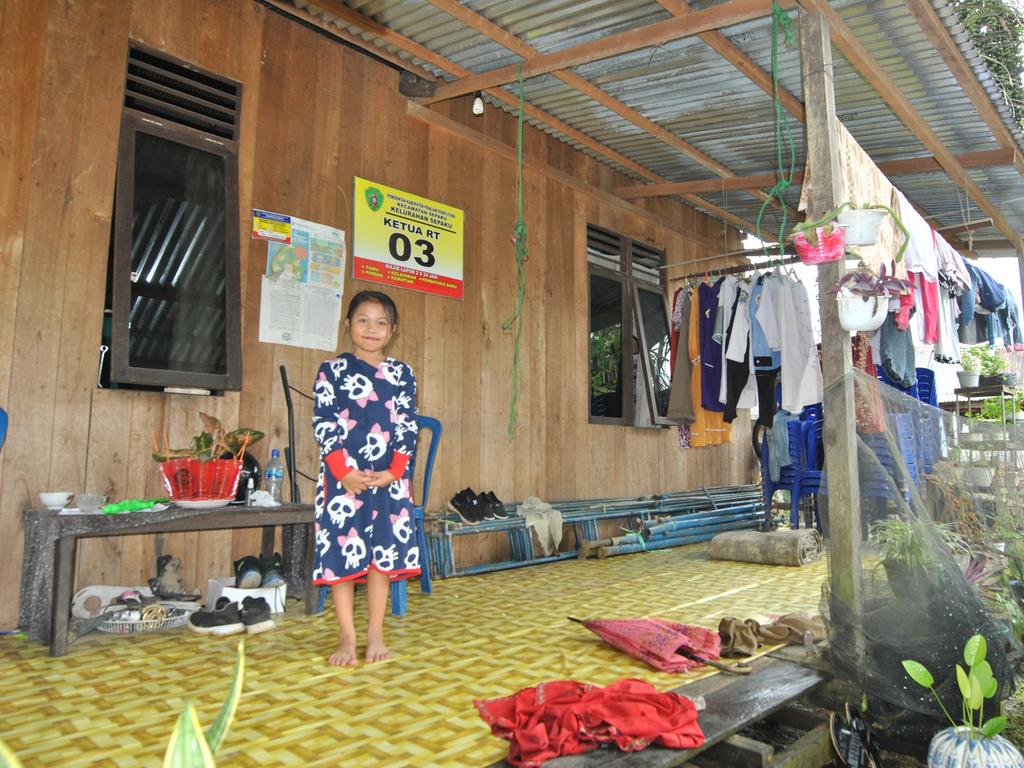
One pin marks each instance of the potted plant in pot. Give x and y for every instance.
(971, 365)
(848, 224)
(207, 472)
(907, 556)
(975, 742)
(863, 297)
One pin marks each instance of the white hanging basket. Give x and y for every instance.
(862, 225)
(858, 314)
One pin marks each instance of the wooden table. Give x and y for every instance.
(51, 539)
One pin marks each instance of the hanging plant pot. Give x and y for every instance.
(955, 747)
(829, 245)
(860, 313)
(862, 225)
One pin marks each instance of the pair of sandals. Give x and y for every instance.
(853, 739)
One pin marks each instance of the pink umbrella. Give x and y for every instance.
(664, 645)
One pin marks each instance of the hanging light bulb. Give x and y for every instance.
(478, 103)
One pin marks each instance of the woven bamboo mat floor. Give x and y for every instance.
(114, 699)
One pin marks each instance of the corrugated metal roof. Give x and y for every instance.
(690, 90)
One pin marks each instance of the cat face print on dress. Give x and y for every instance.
(323, 539)
(338, 365)
(376, 444)
(399, 489)
(345, 424)
(391, 372)
(324, 391)
(399, 402)
(342, 507)
(385, 557)
(359, 388)
(412, 558)
(400, 526)
(353, 548)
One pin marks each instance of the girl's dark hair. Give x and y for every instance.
(376, 296)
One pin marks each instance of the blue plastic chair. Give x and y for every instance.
(3, 427)
(399, 590)
(807, 436)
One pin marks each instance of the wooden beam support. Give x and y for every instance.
(503, 37)
(854, 52)
(715, 17)
(446, 124)
(939, 37)
(892, 168)
(840, 412)
(732, 53)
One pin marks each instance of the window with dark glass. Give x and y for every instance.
(174, 278)
(630, 373)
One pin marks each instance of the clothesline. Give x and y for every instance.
(739, 268)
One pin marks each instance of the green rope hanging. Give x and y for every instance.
(780, 20)
(519, 238)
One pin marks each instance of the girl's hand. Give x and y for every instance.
(356, 481)
(380, 479)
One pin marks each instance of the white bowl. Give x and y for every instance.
(55, 499)
(89, 502)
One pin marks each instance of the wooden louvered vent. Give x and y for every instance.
(170, 90)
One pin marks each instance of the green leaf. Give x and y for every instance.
(187, 747)
(984, 674)
(974, 650)
(990, 688)
(977, 697)
(918, 673)
(964, 682)
(7, 757)
(993, 727)
(215, 733)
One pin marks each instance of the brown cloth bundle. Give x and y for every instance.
(743, 638)
(776, 548)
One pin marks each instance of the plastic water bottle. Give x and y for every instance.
(275, 475)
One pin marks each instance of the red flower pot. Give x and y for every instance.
(194, 480)
(830, 246)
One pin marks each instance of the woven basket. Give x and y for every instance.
(122, 625)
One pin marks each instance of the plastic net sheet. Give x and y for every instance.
(940, 517)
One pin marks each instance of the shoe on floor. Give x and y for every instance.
(272, 570)
(256, 615)
(223, 620)
(496, 505)
(466, 504)
(247, 573)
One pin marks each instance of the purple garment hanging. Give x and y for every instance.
(710, 350)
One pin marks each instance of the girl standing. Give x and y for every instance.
(364, 419)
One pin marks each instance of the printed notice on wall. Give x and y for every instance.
(300, 295)
(406, 241)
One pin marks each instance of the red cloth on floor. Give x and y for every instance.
(566, 717)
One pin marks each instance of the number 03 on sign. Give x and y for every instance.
(406, 241)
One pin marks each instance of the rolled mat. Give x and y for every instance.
(775, 548)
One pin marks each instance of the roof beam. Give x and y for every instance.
(518, 46)
(939, 36)
(732, 53)
(858, 56)
(891, 168)
(356, 19)
(715, 17)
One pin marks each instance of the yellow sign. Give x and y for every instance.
(267, 225)
(406, 241)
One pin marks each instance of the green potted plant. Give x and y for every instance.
(975, 742)
(208, 472)
(971, 366)
(848, 224)
(906, 554)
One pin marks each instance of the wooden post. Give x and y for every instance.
(840, 416)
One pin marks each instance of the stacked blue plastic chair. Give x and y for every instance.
(399, 590)
(807, 436)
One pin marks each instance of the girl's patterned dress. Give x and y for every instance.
(367, 412)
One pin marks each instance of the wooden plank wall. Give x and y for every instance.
(315, 113)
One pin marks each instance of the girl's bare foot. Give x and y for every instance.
(345, 656)
(376, 650)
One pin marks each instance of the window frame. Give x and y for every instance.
(121, 371)
(632, 325)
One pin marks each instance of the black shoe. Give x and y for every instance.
(256, 615)
(223, 620)
(271, 568)
(466, 504)
(497, 506)
(247, 573)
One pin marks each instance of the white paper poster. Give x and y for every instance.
(300, 296)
